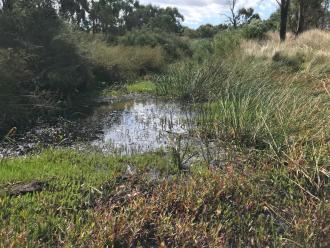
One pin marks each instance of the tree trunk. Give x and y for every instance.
(284, 18)
(325, 14)
(6, 5)
(301, 18)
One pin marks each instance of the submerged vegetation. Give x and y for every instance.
(252, 171)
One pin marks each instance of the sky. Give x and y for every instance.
(197, 12)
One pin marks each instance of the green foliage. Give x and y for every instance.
(174, 46)
(166, 19)
(114, 18)
(14, 73)
(50, 67)
(256, 29)
(206, 31)
(274, 21)
(202, 49)
(141, 87)
(313, 13)
(124, 62)
(225, 43)
(188, 81)
(64, 69)
(75, 11)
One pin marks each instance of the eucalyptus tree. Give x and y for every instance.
(165, 19)
(108, 16)
(238, 17)
(284, 12)
(308, 14)
(76, 11)
(233, 17)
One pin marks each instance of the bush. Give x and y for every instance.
(38, 64)
(226, 42)
(126, 62)
(13, 73)
(174, 46)
(64, 69)
(257, 29)
(202, 49)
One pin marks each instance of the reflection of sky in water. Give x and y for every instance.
(143, 126)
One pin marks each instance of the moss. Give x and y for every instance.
(141, 87)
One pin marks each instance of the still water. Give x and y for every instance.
(141, 125)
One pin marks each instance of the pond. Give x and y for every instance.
(124, 126)
(141, 125)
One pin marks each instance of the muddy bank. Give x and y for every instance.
(61, 133)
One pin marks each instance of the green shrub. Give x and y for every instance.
(14, 72)
(39, 64)
(64, 69)
(174, 46)
(202, 49)
(257, 29)
(126, 62)
(226, 42)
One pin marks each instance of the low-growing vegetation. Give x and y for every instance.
(93, 200)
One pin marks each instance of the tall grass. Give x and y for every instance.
(256, 103)
(311, 49)
(128, 61)
(113, 62)
(188, 81)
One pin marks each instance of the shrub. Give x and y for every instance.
(257, 29)
(34, 76)
(14, 72)
(202, 49)
(126, 62)
(226, 42)
(174, 46)
(64, 70)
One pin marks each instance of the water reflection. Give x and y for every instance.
(138, 126)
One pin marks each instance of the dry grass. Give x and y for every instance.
(311, 49)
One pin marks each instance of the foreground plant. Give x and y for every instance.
(91, 200)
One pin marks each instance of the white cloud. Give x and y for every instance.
(197, 12)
